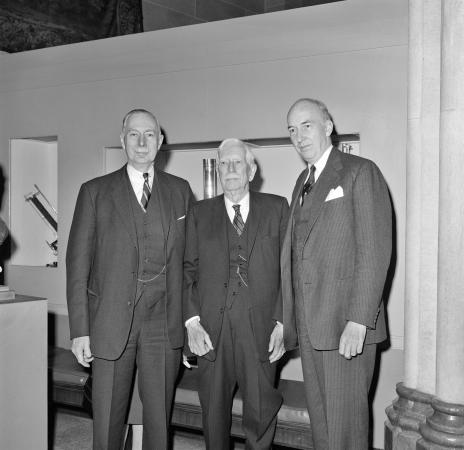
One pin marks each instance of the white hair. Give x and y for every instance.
(249, 156)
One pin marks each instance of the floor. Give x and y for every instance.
(73, 431)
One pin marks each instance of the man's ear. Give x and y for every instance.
(252, 173)
(160, 140)
(328, 127)
(121, 137)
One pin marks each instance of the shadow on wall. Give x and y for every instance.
(384, 346)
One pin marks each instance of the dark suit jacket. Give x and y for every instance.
(102, 259)
(207, 264)
(346, 254)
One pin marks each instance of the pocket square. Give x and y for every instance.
(334, 193)
(180, 218)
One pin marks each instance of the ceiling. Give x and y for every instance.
(28, 24)
(158, 14)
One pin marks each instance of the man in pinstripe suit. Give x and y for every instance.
(334, 262)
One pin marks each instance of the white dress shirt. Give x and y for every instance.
(137, 180)
(320, 164)
(244, 207)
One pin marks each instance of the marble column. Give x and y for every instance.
(429, 410)
(445, 428)
(412, 406)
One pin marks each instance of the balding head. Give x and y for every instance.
(310, 127)
(138, 111)
(141, 138)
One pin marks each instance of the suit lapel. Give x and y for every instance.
(285, 258)
(161, 189)
(219, 229)
(328, 179)
(254, 217)
(120, 192)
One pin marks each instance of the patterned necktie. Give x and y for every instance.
(146, 192)
(238, 220)
(309, 183)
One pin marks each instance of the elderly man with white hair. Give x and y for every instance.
(232, 300)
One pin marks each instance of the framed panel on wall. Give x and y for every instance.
(278, 163)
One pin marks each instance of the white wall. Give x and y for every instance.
(216, 80)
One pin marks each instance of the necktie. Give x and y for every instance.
(238, 223)
(146, 192)
(309, 183)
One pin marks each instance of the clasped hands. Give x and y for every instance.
(200, 343)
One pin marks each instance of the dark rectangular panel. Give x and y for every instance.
(182, 6)
(158, 17)
(290, 4)
(250, 5)
(211, 10)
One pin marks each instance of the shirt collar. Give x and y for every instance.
(321, 162)
(244, 202)
(244, 207)
(136, 176)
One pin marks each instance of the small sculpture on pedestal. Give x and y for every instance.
(5, 292)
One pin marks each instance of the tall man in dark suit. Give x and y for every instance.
(124, 285)
(233, 303)
(334, 263)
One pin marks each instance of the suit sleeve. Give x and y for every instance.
(373, 235)
(191, 306)
(79, 256)
(278, 310)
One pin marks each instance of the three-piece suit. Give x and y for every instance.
(334, 264)
(233, 284)
(124, 290)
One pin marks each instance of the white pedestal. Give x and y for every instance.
(23, 373)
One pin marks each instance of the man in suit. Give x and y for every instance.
(124, 285)
(233, 303)
(335, 257)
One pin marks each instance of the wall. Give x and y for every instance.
(216, 80)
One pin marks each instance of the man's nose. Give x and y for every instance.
(142, 141)
(231, 166)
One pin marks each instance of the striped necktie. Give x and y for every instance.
(238, 220)
(309, 184)
(146, 192)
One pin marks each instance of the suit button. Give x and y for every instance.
(129, 303)
(221, 310)
(225, 285)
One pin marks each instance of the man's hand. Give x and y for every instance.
(352, 340)
(81, 349)
(276, 343)
(198, 339)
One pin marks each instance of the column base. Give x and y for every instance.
(405, 415)
(444, 429)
